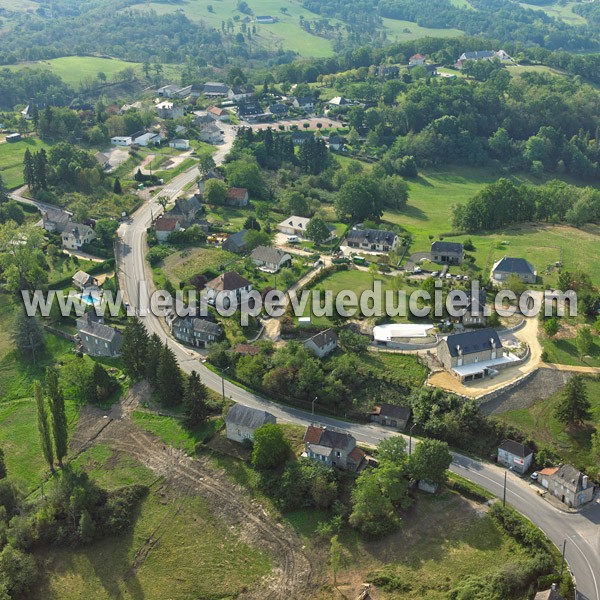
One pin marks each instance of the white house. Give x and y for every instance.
(242, 421)
(164, 226)
(76, 235)
(515, 456)
(180, 144)
(322, 343)
(304, 103)
(210, 134)
(169, 110)
(416, 60)
(147, 139)
(294, 226)
(121, 140)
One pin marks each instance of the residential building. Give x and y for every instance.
(482, 55)
(250, 109)
(237, 197)
(332, 448)
(169, 110)
(473, 355)
(544, 476)
(323, 343)
(27, 112)
(186, 210)
(227, 287)
(571, 486)
(506, 267)
(299, 137)
(102, 160)
(447, 253)
(270, 259)
(471, 311)
(390, 415)
(236, 242)
(388, 72)
(76, 235)
(515, 456)
(242, 421)
(305, 103)
(150, 138)
(83, 280)
(278, 109)
(241, 92)
(294, 226)
(179, 144)
(417, 60)
(205, 177)
(164, 226)
(55, 220)
(335, 142)
(98, 339)
(339, 101)
(121, 140)
(195, 331)
(215, 89)
(218, 114)
(265, 19)
(373, 240)
(211, 134)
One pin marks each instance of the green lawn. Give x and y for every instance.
(403, 31)
(572, 445)
(11, 160)
(182, 265)
(176, 548)
(564, 351)
(561, 11)
(174, 433)
(401, 367)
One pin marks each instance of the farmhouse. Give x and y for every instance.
(195, 331)
(571, 486)
(180, 144)
(76, 235)
(242, 421)
(186, 210)
(333, 448)
(82, 280)
(164, 226)
(226, 287)
(390, 415)
(240, 93)
(473, 354)
(294, 226)
(520, 267)
(374, 240)
(447, 253)
(98, 339)
(515, 456)
(236, 197)
(270, 259)
(323, 343)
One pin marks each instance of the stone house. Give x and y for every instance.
(242, 421)
(98, 339)
(515, 456)
(195, 331)
(237, 197)
(447, 253)
(332, 448)
(507, 266)
(164, 226)
(227, 287)
(76, 235)
(186, 210)
(571, 486)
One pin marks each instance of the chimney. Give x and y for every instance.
(554, 588)
(585, 482)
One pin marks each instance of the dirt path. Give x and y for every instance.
(292, 576)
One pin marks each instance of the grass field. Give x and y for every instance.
(11, 160)
(194, 556)
(402, 31)
(184, 264)
(564, 351)
(562, 12)
(402, 367)
(572, 445)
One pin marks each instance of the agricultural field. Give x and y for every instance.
(572, 445)
(403, 31)
(559, 10)
(196, 551)
(11, 159)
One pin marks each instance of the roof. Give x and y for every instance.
(302, 135)
(477, 55)
(548, 471)
(515, 448)
(514, 265)
(339, 101)
(183, 206)
(228, 282)
(250, 107)
(295, 222)
(470, 342)
(208, 327)
(215, 110)
(245, 416)
(328, 438)
(246, 349)
(392, 411)
(268, 254)
(166, 224)
(237, 193)
(148, 136)
(379, 236)
(305, 100)
(179, 141)
(237, 239)
(215, 87)
(417, 56)
(323, 338)
(550, 594)
(570, 477)
(211, 128)
(77, 229)
(447, 247)
(101, 158)
(357, 455)
(81, 277)
(57, 217)
(278, 108)
(97, 330)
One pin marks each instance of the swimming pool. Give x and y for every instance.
(90, 299)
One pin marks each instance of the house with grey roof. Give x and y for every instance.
(571, 486)
(507, 266)
(236, 242)
(372, 240)
(83, 280)
(515, 456)
(215, 89)
(186, 210)
(447, 253)
(210, 133)
(227, 287)
(98, 339)
(55, 220)
(195, 331)
(474, 354)
(76, 235)
(270, 259)
(242, 421)
(323, 343)
(332, 448)
(391, 415)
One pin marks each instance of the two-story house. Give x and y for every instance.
(76, 235)
(571, 486)
(515, 456)
(447, 253)
(390, 415)
(242, 421)
(373, 240)
(323, 343)
(507, 267)
(227, 287)
(195, 331)
(98, 339)
(332, 448)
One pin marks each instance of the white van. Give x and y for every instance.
(293, 239)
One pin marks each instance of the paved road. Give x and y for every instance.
(582, 530)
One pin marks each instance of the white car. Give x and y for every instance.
(435, 273)
(534, 476)
(417, 270)
(448, 275)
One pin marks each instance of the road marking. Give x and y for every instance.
(588, 564)
(501, 485)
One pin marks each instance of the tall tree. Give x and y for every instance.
(117, 188)
(27, 334)
(43, 424)
(2, 465)
(134, 349)
(169, 384)
(317, 230)
(40, 168)
(153, 358)
(270, 447)
(574, 407)
(430, 460)
(102, 385)
(29, 170)
(195, 397)
(584, 341)
(56, 400)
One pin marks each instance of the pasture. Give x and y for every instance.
(11, 159)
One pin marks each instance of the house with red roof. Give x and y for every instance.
(332, 448)
(237, 197)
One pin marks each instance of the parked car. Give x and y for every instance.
(435, 274)
(534, 476)
(448, 275)
(417, 270)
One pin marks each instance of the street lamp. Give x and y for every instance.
(410, 438)
(223, 380)
(312, 405)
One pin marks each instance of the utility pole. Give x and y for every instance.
(504, 492)
(223, 381)
(410, 438)
(312, 405)
(562, 564)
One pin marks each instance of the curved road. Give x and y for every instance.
(581, 530)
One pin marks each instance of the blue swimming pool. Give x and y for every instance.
(90, 299)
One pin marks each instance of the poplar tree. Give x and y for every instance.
(43, 425)
(56, 400)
